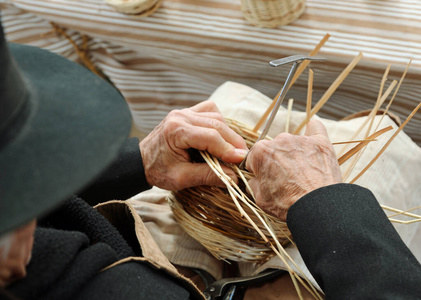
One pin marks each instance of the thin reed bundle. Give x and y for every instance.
(219, 218)
(272, 13)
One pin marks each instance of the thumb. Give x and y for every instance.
(315, 127)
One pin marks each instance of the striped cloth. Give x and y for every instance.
(179, 55)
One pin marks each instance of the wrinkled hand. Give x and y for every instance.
(291, 166)
(16, 253)
(164, 151)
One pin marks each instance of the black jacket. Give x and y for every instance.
(350, 246)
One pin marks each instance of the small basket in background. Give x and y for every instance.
(272, 13)
(141, 8)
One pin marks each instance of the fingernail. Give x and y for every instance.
(241, 152)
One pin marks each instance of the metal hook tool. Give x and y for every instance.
(297, 60)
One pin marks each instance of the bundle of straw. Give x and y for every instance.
(219, 218)
(228, 223)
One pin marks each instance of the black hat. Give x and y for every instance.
(60, 126)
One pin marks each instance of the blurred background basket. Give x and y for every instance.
(141, 8)
(272, 13)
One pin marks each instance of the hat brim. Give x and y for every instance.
(76, 126)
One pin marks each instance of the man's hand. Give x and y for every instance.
(15, 253)
(291, 166)
(165, 158)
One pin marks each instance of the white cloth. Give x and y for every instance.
(394, 179)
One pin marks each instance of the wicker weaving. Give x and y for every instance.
(210, 215)
(272, 13)
(143, 8)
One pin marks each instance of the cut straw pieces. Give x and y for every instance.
(373, 112)
(309, 95)
(394, 94)
(289, 110)
(362, 144)
(387, 143)
(415, 218)
(329, 92)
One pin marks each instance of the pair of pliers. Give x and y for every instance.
(234, 287)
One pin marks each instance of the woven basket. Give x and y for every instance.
(272, 13)
(142, 8)
(210, 216)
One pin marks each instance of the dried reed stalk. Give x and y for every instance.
(305, 64)
(373, 112)
(394, 94)
(399, 212)
(378, 102)
(387, 143)
(371, 116)
(331, 90)
(361, 145)
(289, 110)
(309, 94)
(418, 219)
(354, 141)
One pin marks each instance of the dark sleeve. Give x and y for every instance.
(123, 179)
(350, 246)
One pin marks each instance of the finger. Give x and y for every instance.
(212, 119)
(315, 127)
(201, 174)
(255, 155)
(249, 162)
(208, 139)
(211, 115)
(223, 129)
(205, 106)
